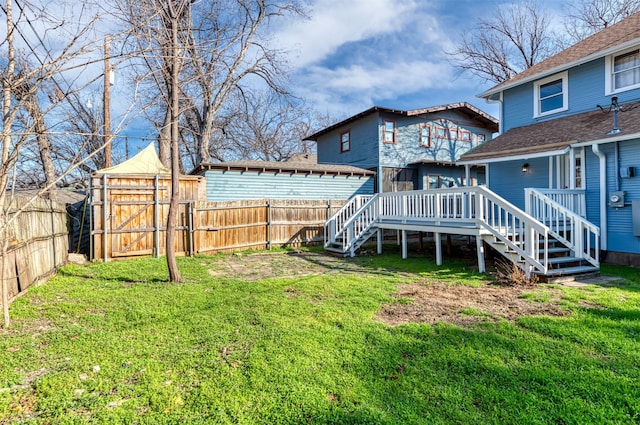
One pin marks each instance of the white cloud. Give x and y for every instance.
(334, 23)
(353, 88)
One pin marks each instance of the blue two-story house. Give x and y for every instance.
(409, 150)
(570, 134)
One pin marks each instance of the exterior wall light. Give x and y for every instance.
(525, 167)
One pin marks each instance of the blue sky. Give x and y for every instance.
(351, 55)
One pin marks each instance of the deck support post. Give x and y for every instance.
(404, 244)
(438, 241)
(379, 236)
(480, 248)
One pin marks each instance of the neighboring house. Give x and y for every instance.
(299, 178)
(555, 138)
(408, 150)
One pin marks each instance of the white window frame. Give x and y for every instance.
(609, 60)
(564, 76)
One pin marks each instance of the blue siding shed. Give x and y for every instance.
(244, 180)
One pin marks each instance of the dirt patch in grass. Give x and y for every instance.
(430, 302)
(465, 305)
(282, 265)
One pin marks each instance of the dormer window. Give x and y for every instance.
(551, 95)
(623, 71)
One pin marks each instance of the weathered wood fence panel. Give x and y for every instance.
(226, 226)
(38, 242)
(136, 214)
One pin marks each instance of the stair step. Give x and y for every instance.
(573, 270)
(558, 249)
(560, 260)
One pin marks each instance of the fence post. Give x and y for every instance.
(105, 217)
(91, 229)
(156, 219)
(54, 233)
(269, 224)
(190, 227)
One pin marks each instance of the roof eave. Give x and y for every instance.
(597, 55)
(531, 155)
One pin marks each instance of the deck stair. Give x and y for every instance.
(547, 239)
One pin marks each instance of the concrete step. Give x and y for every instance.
(335, 251)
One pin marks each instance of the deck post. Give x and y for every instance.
(438, 241)
(404, 244)
(480, 248)
(379, 236)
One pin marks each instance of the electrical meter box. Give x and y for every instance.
(616, 199)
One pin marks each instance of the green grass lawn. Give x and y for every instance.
(116, 343)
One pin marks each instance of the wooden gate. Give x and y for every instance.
(130, 214)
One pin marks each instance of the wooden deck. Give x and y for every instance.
(474, 211)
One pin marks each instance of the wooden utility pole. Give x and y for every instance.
(107, 105)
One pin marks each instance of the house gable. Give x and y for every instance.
(384, 137)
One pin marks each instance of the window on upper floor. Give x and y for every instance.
(551, 95)
(453, 134)
(345, 141)
(481, 137)
(425, 135)
(465, 135)
(389, 131)
(441, 132)
(623, 71)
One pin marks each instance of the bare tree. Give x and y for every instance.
(586, 17)
(517, 37)
(23, 115)
(226, 45)
(269, 127)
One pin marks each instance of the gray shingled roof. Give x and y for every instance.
(283, 167)
(557, 134)
(598, 45)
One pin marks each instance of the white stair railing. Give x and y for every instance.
(519, 231)
(567, 226)
(334, 227)
(357, 226)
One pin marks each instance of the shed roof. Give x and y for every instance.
(283, 167)
(616, 37)
(484, 119)
(558, 134)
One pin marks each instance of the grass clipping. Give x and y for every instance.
(510, 274)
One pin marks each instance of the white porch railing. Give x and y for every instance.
(572, 199)
(466, 206)
(566, 225)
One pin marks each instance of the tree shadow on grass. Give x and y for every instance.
(106, 273)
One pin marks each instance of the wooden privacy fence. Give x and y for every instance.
(38, 242)
(225, 226)
(129, 219)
